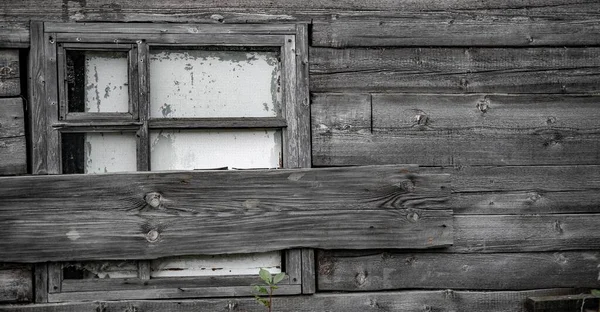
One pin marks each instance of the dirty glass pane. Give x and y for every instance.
(97, 81)
(210, 149)
(247, 264)
(98, 152)
(100, 269)
(214, 82)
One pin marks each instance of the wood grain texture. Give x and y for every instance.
(455, 130)
(167, 293)
(14, 34)
(456, 28)
(152, 215)
(514, 190)
(40, 282)
(375, 270)
(16, 283)
(412, 301)
(582, 302)
(262, 10)
(37, 107)
(303, 97)
(13, 150)
(455, 70)
(516, 233)
(115, 284)
(308, 271)
(10, 74)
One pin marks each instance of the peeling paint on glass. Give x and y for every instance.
(110, 152)
(219, 265)
(210, 149)
(214, 83)
(97, 81)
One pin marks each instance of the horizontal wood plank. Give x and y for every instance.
(16, 283)
(152, 215)
(440, 300)
(10, 73)
(523, 189)
(524, 233)
(13, 151)
(147, 28)
(14, 34)
(103, 284)
(582, 302)
(372, 271)
(167, 293)
(452, 28)
(456, 70)
(451, 130)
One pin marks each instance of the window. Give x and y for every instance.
(146, 97)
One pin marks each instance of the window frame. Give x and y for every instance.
(50, 119)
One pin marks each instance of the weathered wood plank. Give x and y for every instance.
(456, 70)
(13, 150)
(524, 233)
(15, 34)
(114, 284)
(303, 97)
(37, 111)
(440, 300)
(179, 292)
(16, 283)
(308, 271)
(450, 130)
(40, 282)
(375, 270)
(583, 302)
(152, 215)
(10, 73)
(214, 123)
(148, 28)
(523, 189)
(452, 28)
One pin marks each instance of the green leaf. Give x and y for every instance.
(263, 290)
(265, 276)
(596, 292)
(278, 278)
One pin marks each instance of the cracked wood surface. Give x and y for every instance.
(152, 215)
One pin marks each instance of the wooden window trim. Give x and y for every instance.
(49, 40)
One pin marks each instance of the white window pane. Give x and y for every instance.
(209, 149)
(110, 152)
(214, 83)
(218, 265)
(104, 85)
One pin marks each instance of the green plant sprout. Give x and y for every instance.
(271, 285)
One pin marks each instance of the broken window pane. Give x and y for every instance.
(98, 152)
(214, 82)
(97, 81)
(210, 149)
(100, 269)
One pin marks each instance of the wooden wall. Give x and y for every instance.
(502, 95)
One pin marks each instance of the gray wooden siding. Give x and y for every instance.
(501, 95)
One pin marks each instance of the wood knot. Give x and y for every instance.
(152, 236)
(217, 17)
(483, 105)
(361, 278)
(412, 216)
(154, 199)
(421, 119)
(550, 120)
